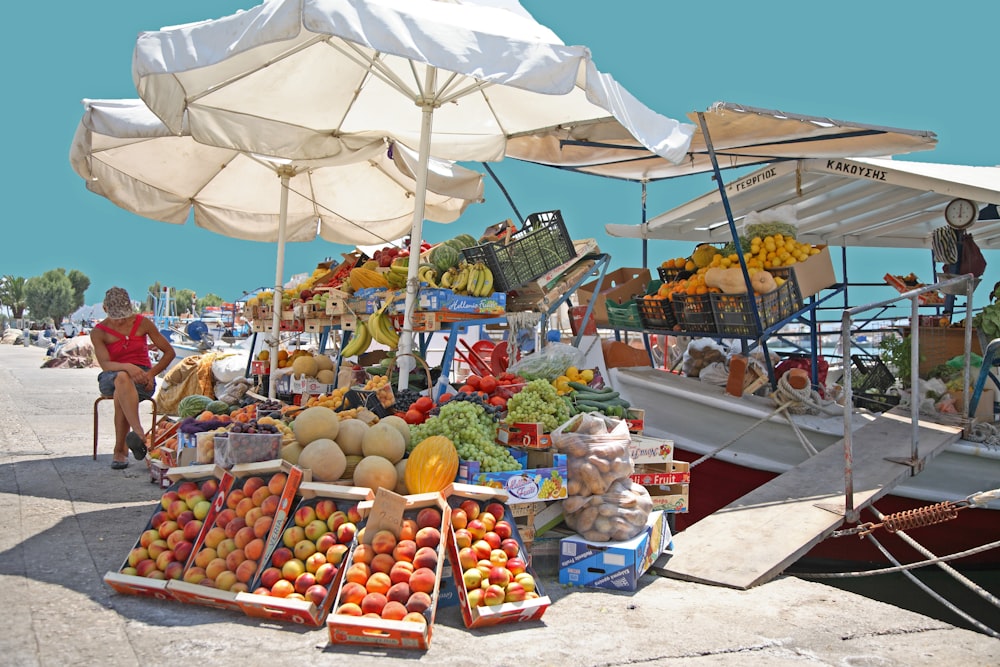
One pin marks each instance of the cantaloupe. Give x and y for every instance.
(383, 440)
(375, 472)
(304, 365)
(401, 477)
(323, 362)
(350, 435)
(325, 459)
(400, 425)
(325, 376)
(315, 423)
(291, 452)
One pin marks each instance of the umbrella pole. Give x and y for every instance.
(279, 278)
(416, 231)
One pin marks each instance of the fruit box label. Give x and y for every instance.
(524, 435)
(662, 474)
(671, 499)
(613, 565)
(522, 486)
(651, 450)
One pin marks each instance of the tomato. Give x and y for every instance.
(467, 389)
(444, 398)
(413, 416)
(473, 381)
(488, 384)
(499, 401)
(423, 404)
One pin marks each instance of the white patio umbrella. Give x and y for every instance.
(306, 79)
(126, 154)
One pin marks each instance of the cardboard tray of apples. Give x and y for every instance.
(388, 590)
(491, 566)
(298, 579)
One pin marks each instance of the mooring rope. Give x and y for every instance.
(899, 568)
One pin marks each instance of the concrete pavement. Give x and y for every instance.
(67, 520)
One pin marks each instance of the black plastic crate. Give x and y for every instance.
(657, 313)
(669, 275)
(699, 315)
(875, 375)
(734, 314)
(876, 402)
(541, 245)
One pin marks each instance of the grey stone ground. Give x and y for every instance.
(67, 520)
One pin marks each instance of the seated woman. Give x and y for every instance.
(127, 373)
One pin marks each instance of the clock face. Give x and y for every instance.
(960, 213)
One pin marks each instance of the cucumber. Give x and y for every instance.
(597, 396)
(579, 386)
(581, 405)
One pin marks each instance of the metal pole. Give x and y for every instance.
(850, 514)
(914, 380)
(279, 279)
(966, 377)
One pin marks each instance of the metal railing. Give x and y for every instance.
(851, 513)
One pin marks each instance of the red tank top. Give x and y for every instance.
(130, 349)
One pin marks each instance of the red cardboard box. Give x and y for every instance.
(531, 435)
(123, 580)
(194, 593)
(480, 616)
(343, 498)
(389, 510)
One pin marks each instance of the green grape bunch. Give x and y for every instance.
(472, 430)
(537, 402)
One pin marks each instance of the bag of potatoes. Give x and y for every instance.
(619, 514)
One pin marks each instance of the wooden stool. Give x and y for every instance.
(111, 398)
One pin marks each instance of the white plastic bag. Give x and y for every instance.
(700, 353)
(548, 363)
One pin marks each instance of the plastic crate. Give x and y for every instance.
(734, 317)
(541, 245)
(876, 402)
(788, 275)
(669, 275)
(657, 313)
(874, 373)
(624, 315)
(699, 315)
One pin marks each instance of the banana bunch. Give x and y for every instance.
(359, 343)
(380, 326)
(469, 279)
(396, 275)
(427, 273)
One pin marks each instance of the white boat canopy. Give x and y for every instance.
(841, 202)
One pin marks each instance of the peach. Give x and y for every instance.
(239, 587)
(184, 517)
(526, 580)
(335, 554)
(378, 582)
(425, 557)
(429, 517)
(408, 530)
(130, 571)
(277, 483)
(165, 558)
(252, 516)
(296, 596)
(499, 576)
(325, 574)
(183, 550)
(234, 498)
(226, 547)
(281, 556)
(503, 529)
(193, 575)
(304, 581)
(260, 495)
(325, 541)
(214, 536)
(496, 509)
(373, 603)
(175, 538)
(262, 526)
(205, 556)
(459, 518)
(186, 488)
(350, 609)
(418, 602)
(463, 538)
(485, 566)
(282, 588)
(292, 536)
(270, 576)
(336, 520)
(167, 498)
(422, 580)
(148, 536)
(383, 542)
(209, 488)
(226, 580)
(346, 532)
(404, 550)
(137, 554)
(156, 547)
(401, 572)
(215, 567)
(244, 536)
(476, 528)
(174, 570)
(428, 537)
(400, 592)
(292, 569)
(234, 558)
(482, 549)
(167, 527)
(315, 529)
(415, 617)
(472, 578)
(251, 484)
(467, 558)
(156, 574)
(270, 505)
(475, 597)
(157, 519)
(394, 611)
(303, 549)
(324, 508)
(516, 566)
(224, 517)
(363, 553)
(316, 594)
(352, 592)
(494, 539)
(382, 563)
(471, 508)
(354, 514)
(144, 567)
(313, 562)
(254, 549)
(488, 520)
(514, 592)
(494, 595)
(358, 573)
(176, 508)
(234, 526)
(195, 498)
(192, 529)
(201, 509)
(245, 571)
(244, 506)
(498, 557)
(510, 547)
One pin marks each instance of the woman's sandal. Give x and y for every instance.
(119, 465)
(135, 443)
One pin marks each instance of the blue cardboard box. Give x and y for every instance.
(440, 299)
(614, 565)
(530, 484)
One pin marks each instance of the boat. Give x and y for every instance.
(839, 202)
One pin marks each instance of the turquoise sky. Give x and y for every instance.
(917, 65)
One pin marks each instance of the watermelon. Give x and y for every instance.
(444, 256)
(193, 405)
(218, 407)
(467, 240)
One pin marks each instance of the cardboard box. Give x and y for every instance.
(613, 565)
(133, 584)
(668, 484)
(651, 450)
(815, 274)
(234, 448)
(508, 612)
(224, 599)
(388, 509)
(542, 477)
(445, 300)
(619, 286)
(636, 419)
(307, 385)
(537, 518)
(299, 611)
(524, 435)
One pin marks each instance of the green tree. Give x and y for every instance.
(209, 300)
(12, 295)
(184, 300)
(50, 296)
(80, 283)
